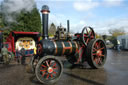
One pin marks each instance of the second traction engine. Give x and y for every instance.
(80, 48)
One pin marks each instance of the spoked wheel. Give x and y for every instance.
(87, 35)
(48, 70)
(96, 53)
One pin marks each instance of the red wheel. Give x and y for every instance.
(96, 53)
(48, 70)
(87, 35)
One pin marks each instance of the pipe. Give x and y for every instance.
(68, 29)
(68, 26)
(45, 14)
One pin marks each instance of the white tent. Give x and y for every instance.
(123, 41)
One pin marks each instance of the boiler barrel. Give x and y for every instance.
(59, 47)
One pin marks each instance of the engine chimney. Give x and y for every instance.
(68, 27)
(45, 13)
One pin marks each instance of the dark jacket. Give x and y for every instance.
(22, 52)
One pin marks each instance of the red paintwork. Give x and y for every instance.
(9, 46)
(98, 52)
(80, 55)
(15, 32)
(87, 39)
(10, 40)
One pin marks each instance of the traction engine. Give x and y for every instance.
(80, 48)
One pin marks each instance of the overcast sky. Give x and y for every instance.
(99, 14)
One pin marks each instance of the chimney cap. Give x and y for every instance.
(45, 8)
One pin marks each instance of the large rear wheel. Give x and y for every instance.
(49, 69)
(96, 53)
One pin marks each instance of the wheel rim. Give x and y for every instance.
(87, 35)
(99, 53)
(49, 70)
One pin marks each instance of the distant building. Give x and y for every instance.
(123, 41)
(52, 30)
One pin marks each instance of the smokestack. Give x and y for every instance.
(45, 13)
(68, 27)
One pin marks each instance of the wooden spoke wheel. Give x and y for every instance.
(48, 69)
(87, 35)
(96, 53)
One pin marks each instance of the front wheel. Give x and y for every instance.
(96, 53)
(49, 69)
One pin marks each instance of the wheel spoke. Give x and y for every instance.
(43, 70)
(85, 35)
(47, 76)
(43, 74)
(90, 33)
(47, 63)
(92, 36)
(55, 68)
(99, 44)
(43, 66)
(51, 76)
(96, 45)
(95, 49)
(54, 65)
(50, 62)
(87, 31)
(87, 40)
(103, 55)
(101, 48)
(54, 72)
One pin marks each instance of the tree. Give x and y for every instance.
(1, 22)
(52, 29)
(115, 33)
(98, 35)
(27, 21)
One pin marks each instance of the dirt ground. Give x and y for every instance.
(115, 72)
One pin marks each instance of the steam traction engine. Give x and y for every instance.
(82, 47)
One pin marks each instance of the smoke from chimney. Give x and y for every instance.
(8, 7)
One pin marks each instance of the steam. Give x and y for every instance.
(11, 8)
